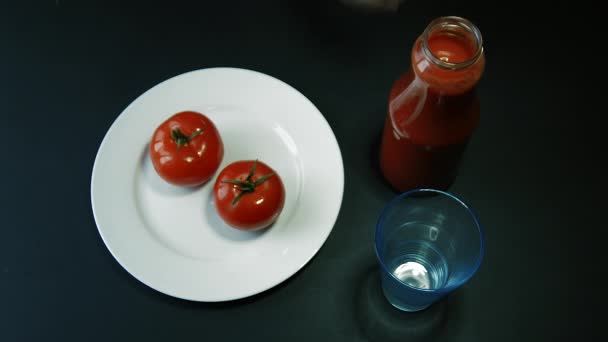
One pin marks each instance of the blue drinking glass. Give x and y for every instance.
(428, 243)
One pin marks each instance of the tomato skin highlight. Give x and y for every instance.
(253, 210)
(195, 157)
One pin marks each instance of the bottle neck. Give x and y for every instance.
(449, 56)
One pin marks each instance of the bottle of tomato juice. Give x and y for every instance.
(433, 107)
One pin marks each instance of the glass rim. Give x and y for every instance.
(409, 193)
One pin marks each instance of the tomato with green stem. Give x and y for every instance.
(249, 195)
(186, 149)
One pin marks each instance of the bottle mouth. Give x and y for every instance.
(457, 27)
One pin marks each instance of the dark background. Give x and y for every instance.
(532, 170)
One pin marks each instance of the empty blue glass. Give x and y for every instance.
(428, 243)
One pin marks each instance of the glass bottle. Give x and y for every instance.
(433, 108)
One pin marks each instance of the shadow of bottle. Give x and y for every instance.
(380, 321)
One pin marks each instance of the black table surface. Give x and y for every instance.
(532, 170)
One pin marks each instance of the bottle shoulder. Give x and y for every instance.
(427, 116)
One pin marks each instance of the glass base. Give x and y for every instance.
(402, 305)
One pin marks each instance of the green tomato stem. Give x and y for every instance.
(248, 185)
(181, 139)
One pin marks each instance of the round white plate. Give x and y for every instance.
(171, 238)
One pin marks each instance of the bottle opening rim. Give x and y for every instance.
(452, 23)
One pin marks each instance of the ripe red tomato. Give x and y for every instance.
(186, 149)
(248, 195)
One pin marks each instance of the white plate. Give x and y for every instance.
(171, 238)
